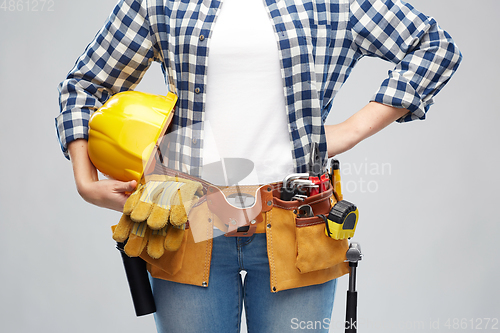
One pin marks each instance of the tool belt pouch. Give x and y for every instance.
(171, 262)
(316, 251)
(188, 263)
(214, 210)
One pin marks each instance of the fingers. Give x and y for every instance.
(158, 217)
(137, 239)
(123, 229)
(156, 242)
(125, 186)
(174, 238)
(148, 211)
(183, 201)
(178, 215)
(130, 186)
(133, 200)
(141, 211)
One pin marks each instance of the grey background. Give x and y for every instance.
(427, 190)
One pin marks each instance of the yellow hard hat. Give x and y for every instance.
(124, 131)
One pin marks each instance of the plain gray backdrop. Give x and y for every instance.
(428, 191)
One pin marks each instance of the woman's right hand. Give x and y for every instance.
(106, 193)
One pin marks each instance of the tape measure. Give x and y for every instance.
(342, 220)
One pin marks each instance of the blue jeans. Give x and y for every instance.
(218, 307)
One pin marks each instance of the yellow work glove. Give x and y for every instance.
(156, 214)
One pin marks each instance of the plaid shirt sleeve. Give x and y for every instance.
(114, 61)
(425, 55)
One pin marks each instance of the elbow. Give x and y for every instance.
(440, 47)
(455, 54)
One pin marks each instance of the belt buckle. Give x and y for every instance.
(241, 230)
(245, 231)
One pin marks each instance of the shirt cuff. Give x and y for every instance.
(396, 91)
(70, 127)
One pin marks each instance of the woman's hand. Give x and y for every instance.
(361, 125)
(106, 193)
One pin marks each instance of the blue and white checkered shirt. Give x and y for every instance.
(320, 41)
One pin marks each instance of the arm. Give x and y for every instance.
(114, 61)
(425, 55)
(363, 124)
(106, 193)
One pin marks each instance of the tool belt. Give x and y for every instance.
(299, 252)
(236, 217)
(244, 222)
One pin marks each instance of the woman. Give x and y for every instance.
(254, 80)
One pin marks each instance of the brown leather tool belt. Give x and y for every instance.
(247, 219)
(299, 252)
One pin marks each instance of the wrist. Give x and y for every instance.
(369, 120)
(84, 189)
(340, 138)
(84, 172)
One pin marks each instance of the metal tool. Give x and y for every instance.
(353, 255)
(299, 197)
(316, 175)
(310, 183)
(288, 189)
(303, 186)
(315, 167)
(305, 211)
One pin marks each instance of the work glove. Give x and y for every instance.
(155, 215)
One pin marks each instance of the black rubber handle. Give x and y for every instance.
(351, 322)
(138, 281)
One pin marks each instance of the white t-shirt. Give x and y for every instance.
(245, 113)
